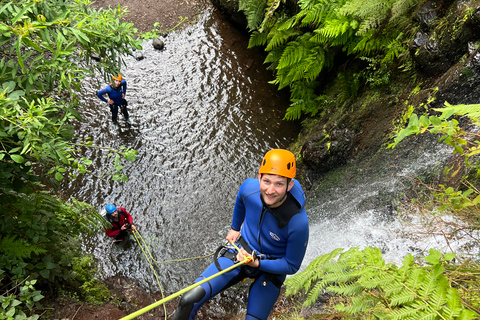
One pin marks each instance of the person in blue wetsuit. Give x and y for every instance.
(269, 223)
(116, 97)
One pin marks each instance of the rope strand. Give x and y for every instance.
(150, 258)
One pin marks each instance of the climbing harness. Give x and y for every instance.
(225, 251)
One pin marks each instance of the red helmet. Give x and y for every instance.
(280, 162)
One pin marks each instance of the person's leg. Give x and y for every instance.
(124, 111)
(114, 110)
(262, 297)
(194, 299)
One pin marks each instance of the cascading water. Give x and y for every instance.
(355, 206)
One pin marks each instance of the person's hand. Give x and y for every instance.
(123, 95)
(124, 227)
(232, 236)
(242, 255)
(132, 228)
(110, 101)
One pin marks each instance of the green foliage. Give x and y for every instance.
(466, 143)
(14, 305)
(46, 48)
(42, 235)
(91, 290)
(302, 45)
(373, 289)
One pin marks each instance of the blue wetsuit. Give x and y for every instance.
(116, 95)
(279, 236)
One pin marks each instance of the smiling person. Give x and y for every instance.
(121, 220)
(270, 224)
(116, 97)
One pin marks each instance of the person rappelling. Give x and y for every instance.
(121, 220)
(270, 226)
(116, 92)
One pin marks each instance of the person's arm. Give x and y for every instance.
(111, 232)
(128, 217)
(124, 86)
(101, 93)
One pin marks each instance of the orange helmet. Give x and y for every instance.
(280, 162)
(119, 77)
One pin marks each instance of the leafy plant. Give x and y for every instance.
(14, 305)
(304, 44)
(464, 140)
(47, 48)
(375, 289)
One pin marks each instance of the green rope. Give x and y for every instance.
(178, 293)
(174, 260)
(150, 258)
(151, 266)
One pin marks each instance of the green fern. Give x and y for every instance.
(19, 248)
(471, 111)
(373, 287)
(300, 46)
(254, 11)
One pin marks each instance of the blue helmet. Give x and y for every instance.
(110, 208)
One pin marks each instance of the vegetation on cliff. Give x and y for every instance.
(46, 49)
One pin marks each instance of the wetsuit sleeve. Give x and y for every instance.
(124, 86)
(101, 93)
(296, 247)
(239, 210)
(111, 232)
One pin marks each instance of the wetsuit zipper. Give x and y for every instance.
(260, 228)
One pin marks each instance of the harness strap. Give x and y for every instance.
(223, 251)
(244, 245)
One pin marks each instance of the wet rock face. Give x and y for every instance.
(328, 149)
(443, 37)
(230, 9)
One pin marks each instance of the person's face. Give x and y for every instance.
(114, 215)
(117, 82)
(273, 189)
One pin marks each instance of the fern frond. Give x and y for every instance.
(314, 293)
(454, 304)
(257, 39)
(368, 44)
(471, 111)
(19, 248)
(293, 53)
(335, 28)
(404, 7)
(315, 15)
(401, 297)
(294, 111)
(347, 289)
(254, 11)
(365, 9)
(279, 38)
(358, 304)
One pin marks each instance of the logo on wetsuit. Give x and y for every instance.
(274, 236)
